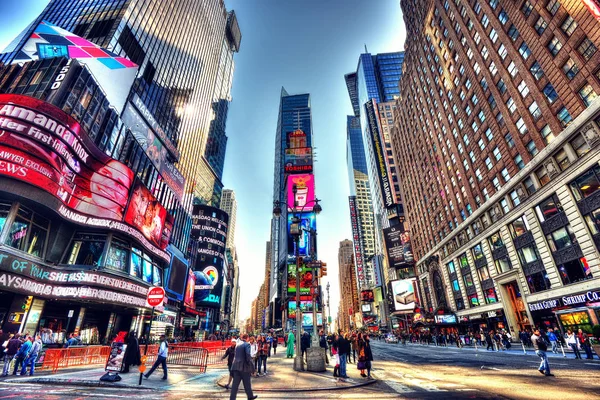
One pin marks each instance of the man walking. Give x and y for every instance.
(540, 347)
(161, 358)
(229, 355)
(36, 346)
(12, 348)
(22, 354)
(553, 340)
(305, 344)
(242, 368)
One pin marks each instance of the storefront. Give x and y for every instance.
(574, 311)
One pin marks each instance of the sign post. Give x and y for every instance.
(155, 297)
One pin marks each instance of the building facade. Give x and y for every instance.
(497, 142)
(349, 315)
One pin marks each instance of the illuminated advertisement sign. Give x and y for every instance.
(445, 319)
(307, 319)
(404, 294)
(209, 229)
(296, 139)
(304, 197)
(380, 154)
(188, 297)
(44, 147)
(594, 7)
(307, 245)
(298, 160)
(366, 308)
(397, 244)
(306, 279)
(305, 306)
(357, 239)
(176, 274)
(367, 295)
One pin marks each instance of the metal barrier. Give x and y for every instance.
(183, 355)
(74, 356)
(215, 357)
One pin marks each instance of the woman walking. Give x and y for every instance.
(254, 353)
(573, 342)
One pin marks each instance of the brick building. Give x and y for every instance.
(349, 312)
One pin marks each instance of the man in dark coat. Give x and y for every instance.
(305, 344)
(242, 368)
(132, 353)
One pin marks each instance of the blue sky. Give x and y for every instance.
(307, 47)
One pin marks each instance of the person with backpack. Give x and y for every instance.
(540, 346)
(161, 358)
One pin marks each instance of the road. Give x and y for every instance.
(409, 372)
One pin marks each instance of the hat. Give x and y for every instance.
(233, 341)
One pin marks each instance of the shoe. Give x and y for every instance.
(164, 378)
(253, 397)
(549, 374)
(540, 371)
(145, 376)
(226, 387)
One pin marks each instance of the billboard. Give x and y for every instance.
(114, 74)
(397, 244)
(190, 287)
(306, 279)
(380, 154)
(307, 245)
(296, 139)
(147, 215)
(44, 147)
(209, 229)
(305, 306)
(366, 308)
(357, 239)
(404, 294)
(303, 199)
(307, 319)
(176, 274)
(367, 295)
(298, 160)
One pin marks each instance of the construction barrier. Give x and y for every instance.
(183, 355)
(74, 356)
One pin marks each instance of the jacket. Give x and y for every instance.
(539, 343)
(229, 354)
(12, 347)
(368, 352)
(35, 348)
(343, 346)
(24, 349)
(323, 342)
(304, 342)
(242, 361)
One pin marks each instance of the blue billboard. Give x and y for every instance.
(307, 245)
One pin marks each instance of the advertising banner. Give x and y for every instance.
(305, 306)
(357, 239)
(366, 308)
(147, 215)
(445, 319)
(404, 294)
(298, 161)
(297, 139)
(380, 154)
(176, 274)
(209, 228)
(43, 146)
(188, 297)
(306, 278)
(307, 245)
(398, 247)
(116, 357)
(307, 319)
(303, 199)
(367, 296)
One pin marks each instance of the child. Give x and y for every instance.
(336, 358)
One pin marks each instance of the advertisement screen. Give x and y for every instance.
(297, 139)
(44, 147)
(307, 243)
(367, 295)
(307, 319)
(357, 239)
(380, 155)
(366, 308)
(147, 215)
(176, 276)
(190, 287)
(303, 199)
(399, 250)
(305, 306)
(445, 319)
(404, 295)
(209, 228)
(306, 278)
(298, 160)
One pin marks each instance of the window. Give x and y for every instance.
(514, 196)
(490, 296)
(521, 126)
(501, 86)
(118, 256)
(481, 144)
(529, 186)
(492, 102)
(564, 117)
(468, 279)
(505, 174)
(494, 4)
(512, 69)
(548, 208)
(540, 25)
(503, 265)
(547, 134)
(519, 161)
(553, 6)
(483, 273)
(574, 271)
(496, 183)
(509, 140)
(570, 68)
(4, 210)
(526, 8)
(488, 163)
(587, 49)
(542, 175)
(580, 146)
(510, 104)
(485, 21)
(460, 304)
(535, 111)
(463, 261)
(478, 174)
(538, 281)
(562, 159)
(455, 286)
(502, 51)
(524, 51)
(86, 249)
(451, 268)
(523, 89)
(496, 241)
(493, 69)
(587, 94)
(537, 71)
(519, 226)
(586, 184)
(473, 300)
(554, 46)
(28, 232)
(550, 93)
(561, 238)
(528, 254)
(513, 33)
(568, 26)
(497, 153)
(493, 35)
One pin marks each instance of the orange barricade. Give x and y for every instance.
(182, 355)
(215, 357)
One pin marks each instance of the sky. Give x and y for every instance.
(307, 47)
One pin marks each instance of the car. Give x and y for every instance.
(391, 339)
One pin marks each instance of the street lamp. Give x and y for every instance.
(296, 231)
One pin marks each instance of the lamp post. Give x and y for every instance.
(296, 231)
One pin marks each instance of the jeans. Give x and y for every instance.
(588, 351)
(18, 363)
(544, 366)
(7, 360)
(262, 360)
(368, 365)
(575, 350)
(159, 361)
(30, 361)
(554, 345)
(343, 366)
(238, 377)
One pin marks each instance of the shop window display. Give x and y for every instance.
(484, 273)
(490, 296)
(455, 285)
(574, 271)
(86, 249)
(538, 282)
(28, 232)
(576, 320)
(473, 300)
(468, 280)
(451, 268)
(478, 252)
(496, 241)
(464, 262)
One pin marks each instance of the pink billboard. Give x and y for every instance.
(305, 191)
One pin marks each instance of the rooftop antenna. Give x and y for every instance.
(366, 51)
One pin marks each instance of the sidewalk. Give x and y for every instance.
(281, 377)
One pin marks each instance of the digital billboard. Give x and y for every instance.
(298, 160)
(366, 308)
(43, 146)
(307, 244)
(357, 239)
(190, 287)
(147, 215)
(380, 154)
(303, 199)
(367, 295)
(305, 306)
(176, 274)
(306, 279)
(296, 139)
(404, 294)
(209, 229)
(397, 244)
(307, 319)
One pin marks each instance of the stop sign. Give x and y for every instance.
(155, 297)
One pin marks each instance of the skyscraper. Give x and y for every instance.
(229, 205)
(497, 139)
(348, 286)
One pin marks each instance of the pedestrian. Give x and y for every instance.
(22, 353)
(353, 347)
(368, 356)
(12, 347)
(132, 353)
(573, 342)
(229, 355)
(305, 344)
(290, 345)
(242, 367)
(540, 346)
(553, 340)
(270, 341)
(343, 352)
(275, 343)
(36, 346)
(263, 353)
(161, 358)
(584, 340)
(336, 357)
(489, 340)
(323, 345)
(253, 352)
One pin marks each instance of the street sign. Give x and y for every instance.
(314, 264)
(156, 296)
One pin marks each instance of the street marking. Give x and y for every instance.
(597, 365)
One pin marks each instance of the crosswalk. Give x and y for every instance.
(404, 383)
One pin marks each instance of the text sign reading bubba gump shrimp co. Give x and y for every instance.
(156, 296)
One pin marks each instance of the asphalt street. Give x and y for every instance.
(406, 372)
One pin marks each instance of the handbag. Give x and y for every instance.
(361, 365)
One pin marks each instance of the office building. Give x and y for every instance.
(349, 312)
(497, 143)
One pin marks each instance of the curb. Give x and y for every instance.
(318, 389)
(68, 382)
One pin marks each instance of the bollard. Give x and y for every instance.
(563, 350)
(523, 345)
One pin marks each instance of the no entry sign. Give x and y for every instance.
(155, 297)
